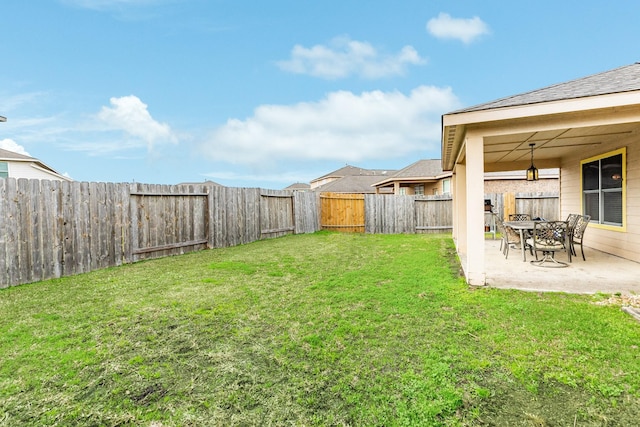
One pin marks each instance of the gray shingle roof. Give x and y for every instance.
(10, 155)
(351, 184)
(349, 170)
(298, 186)
(427, 168)
(622, 79)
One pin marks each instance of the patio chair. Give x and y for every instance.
(509, 236)
(576, 234)
(500, 229)
(571, 220)
(550, 237)
(519, 217)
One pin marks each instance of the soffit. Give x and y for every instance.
(552, 144)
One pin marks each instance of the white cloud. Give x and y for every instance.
(345, 57)
(343, 126)
(11, 145)
(130, 115)
(466, 30)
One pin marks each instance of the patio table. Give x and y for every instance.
(525, 228)
(521, 227)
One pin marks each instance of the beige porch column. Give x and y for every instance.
(455, 209)
(474, 182)
(460, 211)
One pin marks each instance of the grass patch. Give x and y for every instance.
(322, 329)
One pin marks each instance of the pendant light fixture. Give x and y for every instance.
(532, 172)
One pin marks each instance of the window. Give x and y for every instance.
(446, 186)
(603, 190)
(419, 189)
(4, 170)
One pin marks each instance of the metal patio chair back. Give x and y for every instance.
(508, 235)
(577, 234)
(519, 217)
(550, 237)
(572, 219)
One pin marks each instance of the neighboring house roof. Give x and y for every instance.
(431, 170)
(298, 186)
(207, 182)
(351, 184)
(37, 165)
(422, 170)
(347, 170)
(622, 79)
(11, 155)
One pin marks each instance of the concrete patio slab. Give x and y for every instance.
(600, 273)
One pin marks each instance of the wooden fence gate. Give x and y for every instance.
(162, 222)
(342, 212)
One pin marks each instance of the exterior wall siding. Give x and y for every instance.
(624, 243)
(25, 170)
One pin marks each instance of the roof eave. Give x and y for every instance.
(454, 125)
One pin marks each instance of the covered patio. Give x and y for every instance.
(600, 273)
(589, 129)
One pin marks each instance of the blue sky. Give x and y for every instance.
(268, 93)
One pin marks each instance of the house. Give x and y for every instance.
(207, 182)
(427, 177)
(421, 177)
(361, 184)
(15, 165)
(298, 186)
(345, 171)
(350, 179)
(588, 128)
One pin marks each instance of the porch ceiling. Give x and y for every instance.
(551, 144)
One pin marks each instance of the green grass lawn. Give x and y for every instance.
(321, 329)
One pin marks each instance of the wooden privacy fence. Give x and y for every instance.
(543, 204)
(385, 214)
(52, 229)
